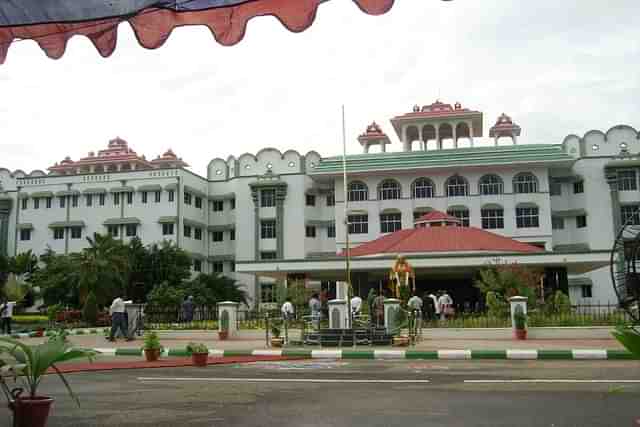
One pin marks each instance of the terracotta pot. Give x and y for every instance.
(223, 335)
(277, 342)
(521, 334)
(200, 359)
(32, 412)
(152, 354)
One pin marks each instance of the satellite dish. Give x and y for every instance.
(625, 267)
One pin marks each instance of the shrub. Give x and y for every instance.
(151, 341)
(90, 310)
(519, 318)
(197, 348)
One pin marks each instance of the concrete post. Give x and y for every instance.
(515, 302)
(338, 315)
(231, 310)
(391, 310)
(342, 290)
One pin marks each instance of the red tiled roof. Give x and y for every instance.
(442, 239)
(434, 216)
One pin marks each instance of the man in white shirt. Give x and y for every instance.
(118, 319)
(6, 313)
(287, 310)
(356, 305)
(445, 303)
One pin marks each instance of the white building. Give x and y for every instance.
(276, 215)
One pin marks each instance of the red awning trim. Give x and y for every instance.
(152, 27)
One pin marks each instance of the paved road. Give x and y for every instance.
(356, 393)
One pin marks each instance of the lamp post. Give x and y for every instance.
(346, 224)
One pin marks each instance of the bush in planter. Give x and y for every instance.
(151, 346)
(199, 353)
(90, 310)
(29, 364)
(224, 326)
(520, 322)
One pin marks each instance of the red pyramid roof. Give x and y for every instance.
(442, 239)
(434, 216)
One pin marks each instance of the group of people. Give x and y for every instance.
(433, 306)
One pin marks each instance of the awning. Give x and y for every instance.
(150, 187)
(227, 196)
(95, 191)
(192, 223)
(122, 221)
(168, 219)
(580, 281)
(574, 247)
(320, 223)
(25, 226)
(39, 194)
(64, 193)
(569, 213)
(171, 187)
(66, 224)
(194, 255)
(23, 196)
(221, 258)
(222, 227)
(125, 189)
(194, 191)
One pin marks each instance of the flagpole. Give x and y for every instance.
(346, 221)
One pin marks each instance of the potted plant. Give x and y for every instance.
(276, 340)
(199, 353)
(29, 365)
(151, 346)
(223, 333)
(520, 323)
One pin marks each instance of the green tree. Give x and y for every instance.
(507, 280)
(209, 289)
(58, 278)
(102, 268)
(4, 270)
(166, 295)
(137, 270)
(90, 310)
(165, 262)
(24, 264)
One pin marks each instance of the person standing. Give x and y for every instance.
(6, 314)
(287, 310)
(445, 304)
(415, 305)
(118, 319)
(356, 305)
(187, 309)
(315, 306)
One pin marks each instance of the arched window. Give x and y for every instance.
(527, 216)
(492, 217)
(457, 186)
(525, 183)
(389, 190)
(358, 191)
(490, 184)
(390, 221)
(422, 188)
(460, 212)
(358, 223)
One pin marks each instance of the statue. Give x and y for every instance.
(399, 276)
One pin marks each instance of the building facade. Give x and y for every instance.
(276, 215)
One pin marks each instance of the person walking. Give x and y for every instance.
(287, 310)
(445, 304)
(6, 315)
(315, 307)
(187, 309)
(415, 305)
(429, 306)
(356, 305)
(118, 319)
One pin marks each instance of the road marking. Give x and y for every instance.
(551, 381)
(522, 354)
(389, 354)
(326, 354)
(454, 354)
(283, 380)
(589, 354)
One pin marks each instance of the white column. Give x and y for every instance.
(438, 142)
(515, 302)
(338, 314)
(454, 134)
(383, 147)
(391, 310)
(406, 143)
(231, 310)
(470, 124)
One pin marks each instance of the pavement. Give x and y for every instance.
(359, 393)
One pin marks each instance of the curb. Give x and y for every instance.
(514, 354)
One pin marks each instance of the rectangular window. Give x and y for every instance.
(630, 213)
(197, 265)
(267, 293)
(268, 255)
(198, 202)
(116, 198)
(310, 231)
(331, 231)
(167, 229)
(58, 233)
(76, 232)
(390, 222)
(74, 201)
(48, 202)
(311, 200)
(586, 291)
(129, 198)
(25, 234)
(268, 229)
(172, 195)
(232, 234)
(492, 218)
(627, 180)
(187, 231)
(557, 223)
(217, 205)
(218, 267)
(232, 204)
(36, 203)
(63, 201)
(578, 187)
(197, 233)
(131, 230)
(331, 199)
(144, 197)
(101, 199)
(24, 204)
(555, 188)
(157, 195)
(187, 198)
(267, 198)
(217, 236)
(581, 221)
(113, 230)
(89, 200)
(358, 224)
(461, 214)
(527, 217)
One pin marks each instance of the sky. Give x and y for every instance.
(556, 67)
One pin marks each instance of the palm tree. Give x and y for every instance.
(103, 268)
